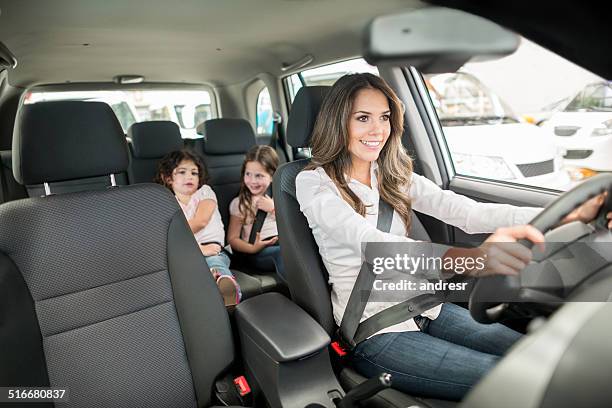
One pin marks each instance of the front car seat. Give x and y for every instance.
(103, 292)
(306, 274)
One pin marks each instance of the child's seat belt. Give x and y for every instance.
(260, 217)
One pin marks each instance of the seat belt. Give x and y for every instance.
(277, 140)
(260, 217)
(351, 331)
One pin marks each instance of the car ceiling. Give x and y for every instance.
(192, 41)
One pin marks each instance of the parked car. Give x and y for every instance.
(486, 140)
(584, 128)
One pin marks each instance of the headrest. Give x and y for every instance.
(304, 111)
(67, 140)
(227, 136)
(155, 139)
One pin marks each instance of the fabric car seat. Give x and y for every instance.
(306, 275)
(148, 143)
(223, 148)
(103, 292)
(9, 188)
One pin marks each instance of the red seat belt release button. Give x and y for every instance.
(338, 349)
(242, 385)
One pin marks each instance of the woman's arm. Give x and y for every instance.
(202, 215)
(463, 212)
(327, 211)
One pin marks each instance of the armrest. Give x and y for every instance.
(280, 328)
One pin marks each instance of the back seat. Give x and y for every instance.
(148, 143)
(223, 154)
(223, 149)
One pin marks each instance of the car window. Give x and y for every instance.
(495, 117)
(265, 114)
(124, 114)
(327, 74)
(186, 108)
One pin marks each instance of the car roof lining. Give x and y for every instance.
(198, 41)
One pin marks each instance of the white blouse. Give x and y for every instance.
(339, 231)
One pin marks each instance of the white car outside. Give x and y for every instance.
(584, 128)
(485, 139)
(516, 152)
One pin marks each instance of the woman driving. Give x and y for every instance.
(357, 159)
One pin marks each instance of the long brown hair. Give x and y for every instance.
(330, 141)
(171, 161)
(267, 157)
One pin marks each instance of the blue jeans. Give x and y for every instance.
(269, 259)
(450, 355)
(221, 263)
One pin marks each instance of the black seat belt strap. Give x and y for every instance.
(396, 314)
(363, 285)
(258, 223)
(351, 331)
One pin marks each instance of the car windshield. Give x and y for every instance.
(461, 99)
(594, 97)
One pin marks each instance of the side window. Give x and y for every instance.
(530, 118)
(265, 114)
(124, 114)
(327, 74)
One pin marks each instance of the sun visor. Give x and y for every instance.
(435, 39)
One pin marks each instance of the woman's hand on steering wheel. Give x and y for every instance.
(588, 211)
(504, 255)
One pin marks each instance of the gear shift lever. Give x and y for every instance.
(365, 390)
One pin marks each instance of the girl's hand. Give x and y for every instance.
(210, 249)
(259, 244)
(265, 203)
(588, 211)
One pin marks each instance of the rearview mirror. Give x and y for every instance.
(435, 39)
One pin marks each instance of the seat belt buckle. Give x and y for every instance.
(242, 385)
(337, 347)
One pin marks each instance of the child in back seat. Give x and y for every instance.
(256, 175)
(184, 174)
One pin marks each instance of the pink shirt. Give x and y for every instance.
(213, 232)
(267, 230)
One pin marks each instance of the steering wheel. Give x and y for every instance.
(509, 287)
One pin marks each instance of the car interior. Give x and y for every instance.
(105, 293)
